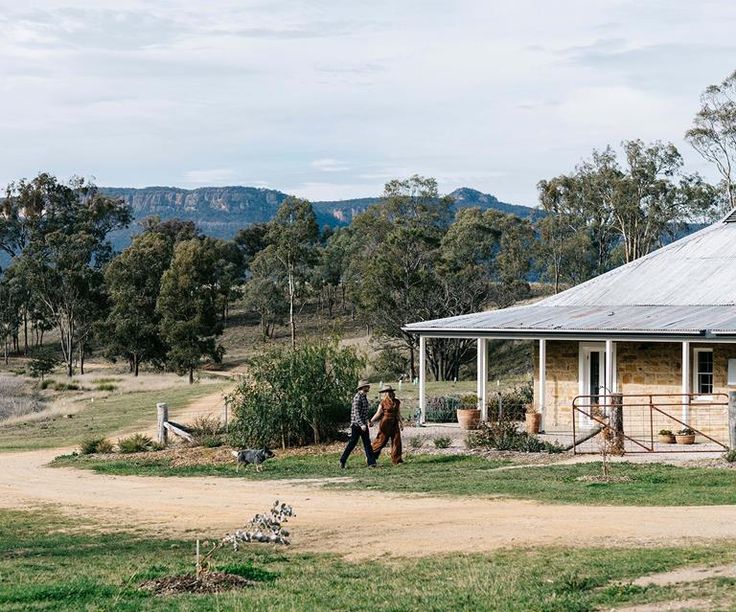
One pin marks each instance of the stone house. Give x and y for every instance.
(663, 325)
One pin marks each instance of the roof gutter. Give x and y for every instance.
(552, 334)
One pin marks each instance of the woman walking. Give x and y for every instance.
(389, 415)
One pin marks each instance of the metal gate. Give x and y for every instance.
(637, 421)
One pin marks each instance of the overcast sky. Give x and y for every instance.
(329, 99)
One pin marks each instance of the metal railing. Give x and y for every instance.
(640, 416)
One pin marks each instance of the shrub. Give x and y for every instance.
(137, 443)
(206, 431)
(665, 432)
(62, 386)
(442, 409)
(43, 361)
(294, 396)
(442, 442)
(95, 445)
(416, 442)
(45, 384)
(512, 403)
(106, 387)
(730, 456)
(503, 435)
(390, 364)
(469, 400)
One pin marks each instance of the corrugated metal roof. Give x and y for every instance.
(675, 320)
(686, 287)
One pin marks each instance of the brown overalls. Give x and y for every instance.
(389, 427)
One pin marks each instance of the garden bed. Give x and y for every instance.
(208, 582)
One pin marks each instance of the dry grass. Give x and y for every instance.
(18, 398)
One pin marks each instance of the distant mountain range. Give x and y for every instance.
(222, 211)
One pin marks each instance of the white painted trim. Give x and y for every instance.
(583, 348)
(422, 379)
(542, 378)
(482, 378)
(694, 378)
(685, 381)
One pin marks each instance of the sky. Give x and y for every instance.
(331, 99)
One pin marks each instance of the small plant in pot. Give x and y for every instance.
(533, 419)
(468, 414)
(666, 437)
(685, 436)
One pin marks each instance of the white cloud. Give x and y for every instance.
(329, 165)
(335, 98)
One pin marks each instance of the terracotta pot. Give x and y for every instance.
(533, 422)
(667, 439)
(469, 418)
(685, 438)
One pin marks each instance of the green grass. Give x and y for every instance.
(651, 484)
(98, 418)
(52, 563)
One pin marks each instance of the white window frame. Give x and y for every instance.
(697, 396)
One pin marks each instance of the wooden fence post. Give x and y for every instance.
(162, 411)
(732, 419)
(616, 423)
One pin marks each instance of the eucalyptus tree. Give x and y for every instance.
(188, 306)
(713, 134)
(291, 242)
(395, 250)
(133, 281)
(61, 229)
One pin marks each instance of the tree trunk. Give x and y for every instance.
(137, 360)
(412, 365)
(292, 326)
(25, 332)
(191, 375)
(81, 358)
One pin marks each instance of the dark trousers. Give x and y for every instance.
(355, 433)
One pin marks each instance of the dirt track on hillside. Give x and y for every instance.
(358, 524)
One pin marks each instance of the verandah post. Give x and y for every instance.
(482, 378)
(542, 380)
(732, 419)
(422, 379)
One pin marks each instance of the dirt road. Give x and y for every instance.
(353, 523)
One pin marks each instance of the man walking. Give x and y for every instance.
(359, 425)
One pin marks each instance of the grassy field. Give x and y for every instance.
(51, 563)
(100, 417)
(650, 484)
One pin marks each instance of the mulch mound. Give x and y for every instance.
(208, 582)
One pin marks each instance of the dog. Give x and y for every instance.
(250, 456)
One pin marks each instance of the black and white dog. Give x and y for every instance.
(250, 456)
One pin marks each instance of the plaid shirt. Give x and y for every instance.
(359, 414)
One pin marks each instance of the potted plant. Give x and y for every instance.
(533, 419)
(666, 437)
(468, 414)
(685, 436)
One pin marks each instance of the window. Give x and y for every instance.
(703, 372)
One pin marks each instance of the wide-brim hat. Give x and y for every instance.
(386, 389)
(362, 384)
